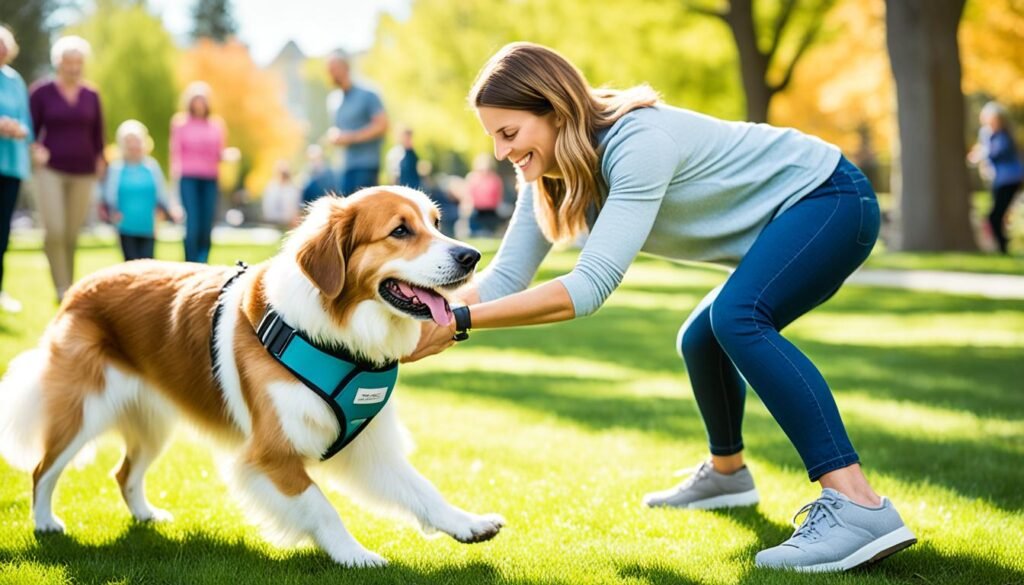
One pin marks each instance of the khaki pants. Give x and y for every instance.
(64, 201)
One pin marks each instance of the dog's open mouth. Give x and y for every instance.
(420, 302)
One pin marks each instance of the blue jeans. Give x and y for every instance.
(199, 198)
(799, 261)
(353, 180)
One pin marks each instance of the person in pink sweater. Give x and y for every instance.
(197, 141)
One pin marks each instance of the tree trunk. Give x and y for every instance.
(753, 62)
(932, 182)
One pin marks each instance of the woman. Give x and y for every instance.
(996, 144)
(68, 120)
(197, 141)
(794, 215)
(15, 136)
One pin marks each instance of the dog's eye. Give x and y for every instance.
(400, 232)
(437, 223)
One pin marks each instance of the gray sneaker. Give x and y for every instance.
(838, 535)
(706, 489)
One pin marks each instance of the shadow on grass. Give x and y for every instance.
(961, 379)
(920, 563)
(142, 554)
(975, 379)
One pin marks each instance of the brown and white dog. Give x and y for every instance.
(129, 349)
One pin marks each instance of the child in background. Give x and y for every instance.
(134, 190)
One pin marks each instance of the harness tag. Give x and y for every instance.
(370, 395)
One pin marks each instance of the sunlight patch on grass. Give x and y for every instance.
(922, 420)
(994, 329)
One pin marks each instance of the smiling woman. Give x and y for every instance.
(788, 210)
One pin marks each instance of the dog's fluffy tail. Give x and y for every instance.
(21, 418)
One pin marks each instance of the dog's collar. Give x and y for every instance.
(355, 390)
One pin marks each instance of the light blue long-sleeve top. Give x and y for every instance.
(14, 157)
(680, 185)
(136, 190)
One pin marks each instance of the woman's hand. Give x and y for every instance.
(11, 128)
(434, 338)
(40, 154)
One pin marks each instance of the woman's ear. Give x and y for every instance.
(322, 258)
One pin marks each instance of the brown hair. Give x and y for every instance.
(526, 76)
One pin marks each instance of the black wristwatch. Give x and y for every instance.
(463, 323)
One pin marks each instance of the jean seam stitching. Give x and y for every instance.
(851, 455)
(757, 300)
(807, 387)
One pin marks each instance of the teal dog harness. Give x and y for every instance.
(353, 389)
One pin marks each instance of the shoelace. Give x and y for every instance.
(696, 473)
(821, 510)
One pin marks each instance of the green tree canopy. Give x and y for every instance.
(133, 67)
(213, 19)
(426, 63)
(29, 20)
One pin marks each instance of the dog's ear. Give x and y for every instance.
(322, 258)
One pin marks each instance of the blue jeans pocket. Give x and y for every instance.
(870, 221)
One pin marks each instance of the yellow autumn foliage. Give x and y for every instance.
(251, 102)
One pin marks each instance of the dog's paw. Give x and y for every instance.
(50, 525)
(360, 558)
(479, 528)
(154, 515)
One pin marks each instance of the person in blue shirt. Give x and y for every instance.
(402, 161)
(15, 137)
(437, 190)
(792, 216)
(997, 146)
(320, 179)
(134, 190)
(359, 126)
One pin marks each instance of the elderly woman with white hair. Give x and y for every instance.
(135, 190)
(15, 136)
(68, 153)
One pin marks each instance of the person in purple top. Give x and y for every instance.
(68, 153)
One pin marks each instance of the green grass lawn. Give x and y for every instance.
(563, 428)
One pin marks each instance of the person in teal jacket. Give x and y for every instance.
(15, 137)
(135, 189)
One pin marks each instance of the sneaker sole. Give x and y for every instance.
(871, 552)
(747, 498)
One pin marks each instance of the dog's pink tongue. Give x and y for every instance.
(440, 312)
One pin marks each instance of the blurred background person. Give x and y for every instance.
(135, 189)
(320, 178)
(997, 151)
(446, 201)
(359, 126)
(485, 190)
(68, 121)
(282, 199)
(402, 162)
(15, 136)
(197, 145)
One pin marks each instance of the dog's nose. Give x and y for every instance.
(466, 257)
